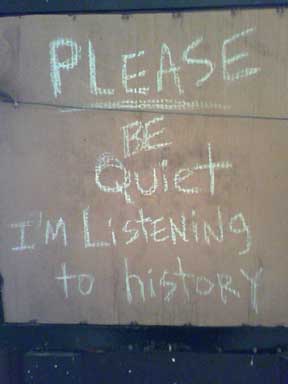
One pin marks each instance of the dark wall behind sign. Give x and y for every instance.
(68, 6)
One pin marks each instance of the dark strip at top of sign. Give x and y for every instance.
(19, 7)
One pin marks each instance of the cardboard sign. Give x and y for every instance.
(144, 169)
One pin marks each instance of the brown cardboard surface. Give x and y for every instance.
(48, 161)
(154, 215)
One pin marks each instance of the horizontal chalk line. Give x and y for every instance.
(133, 110)
(160, 104)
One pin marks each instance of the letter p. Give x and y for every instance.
(56, 64)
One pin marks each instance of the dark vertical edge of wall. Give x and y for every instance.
(283, 369)
(4, 367)
(1, 300)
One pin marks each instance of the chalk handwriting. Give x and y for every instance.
(171, 285)
(86, 233)
(188, 227)
(152, 104)
(254, 283)
(144, 287)
(94, 89)
(23, 246)
(205, 62)
(50, 233)
(137, 137)
(228, 60)
(146, 191)
(56, 65)
(243, 228)
(178, 230)
(204, 286)
(211, 166)
(139, 289)
(209, 232)
(85, 282)
(170, 70)
(128, 278)
(225, 282)
(66, 55)
(106, 161)
(126, 77)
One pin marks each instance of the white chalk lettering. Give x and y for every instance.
(54, 233)
(83, 279)
(21, 226)
(177, 231)
(65, 278)
(200, 289)
(142, 221)
(206, 62)
(149, 191)
(194, 225)
(164, 165)
(180, 176)
(183, 276)
(155, 232)
(151, 285)
(225, 282)
(172, 69)
(171, 285)
(94, 89)
(183, 228)
(208, 231)
(113, 235)
(88, 280)
(131, 134)
(211, 166)
(147, 135)
(134, 143)
(86, 233)
(128, 278)
(228, 60)
(134, 232)
(126, 77)
(254, 283)
(244, 228)
(56, 65)
(109, 162)
(106, 161)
